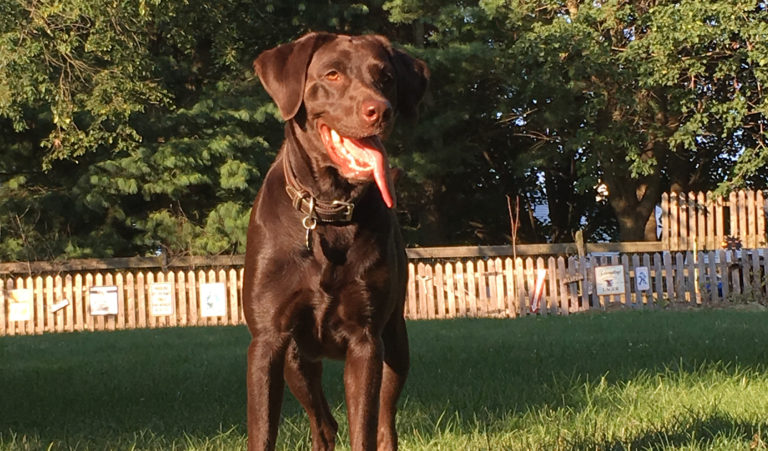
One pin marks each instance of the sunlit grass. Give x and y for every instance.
(626, 380)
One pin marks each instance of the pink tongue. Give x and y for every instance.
(374, 149)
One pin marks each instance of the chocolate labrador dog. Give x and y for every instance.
(325, 266)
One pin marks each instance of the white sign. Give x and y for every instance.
(213, 299)
(642, 278)
(161, 299)
(609, 279)
(59, 305)
(20, 304)
(103, 300)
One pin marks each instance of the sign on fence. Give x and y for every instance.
(103, 300)
(642, 278)
(20, 305)
(609, 280)
(161, 299)
(213, 299)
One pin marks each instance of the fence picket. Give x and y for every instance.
(500, 307)
(450, 285)
(193, 305)
(760, 213)
(756, 277)
(49, 287)
(3, 302)
(666, 228)
(234, 307)
(482, 293)
(510, 300)
(412, 311)
(674, 221)
(553, 300)
(719, 222)
(712, 241)
(693, 242)
(492, 303)
(742, 209)
(461, 290)
(110, 320)
(121, 298)
(471, 288)
(439, 290)
(181, 298)
(700, 279)
(749, 207)
(701, 219)
(564, 287)
(41, 304)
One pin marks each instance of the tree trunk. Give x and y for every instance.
(559, 183)
(634, 203)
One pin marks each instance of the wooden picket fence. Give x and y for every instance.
(701, 221)
(477, 282)
(61, 302)
(506, 287)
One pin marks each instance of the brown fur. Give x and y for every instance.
(342, 298)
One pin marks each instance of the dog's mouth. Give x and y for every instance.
(359, 159)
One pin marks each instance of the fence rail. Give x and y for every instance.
(487, 284)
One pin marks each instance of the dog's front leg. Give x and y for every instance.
(362, 382)
(396, 365)
(266, 357)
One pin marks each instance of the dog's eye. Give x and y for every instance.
(333, 76)
(384, 79)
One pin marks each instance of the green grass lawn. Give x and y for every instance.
(624, 380)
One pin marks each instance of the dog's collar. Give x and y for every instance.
(336, 211)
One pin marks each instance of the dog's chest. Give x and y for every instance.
(350, 294)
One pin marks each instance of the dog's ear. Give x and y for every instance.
(283, 71)
(412, 82)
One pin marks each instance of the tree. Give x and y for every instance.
(669, 92)
(640, 96)
(138, 127)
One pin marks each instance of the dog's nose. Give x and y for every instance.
(375, 111)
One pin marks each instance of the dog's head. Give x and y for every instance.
(349, 89)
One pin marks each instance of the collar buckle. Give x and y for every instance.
(349, 209)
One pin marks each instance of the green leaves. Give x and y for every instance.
(133, 127)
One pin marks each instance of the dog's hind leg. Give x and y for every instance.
(265, 391)
(395, 371)
(304, 378)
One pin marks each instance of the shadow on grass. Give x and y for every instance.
(703, 433)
